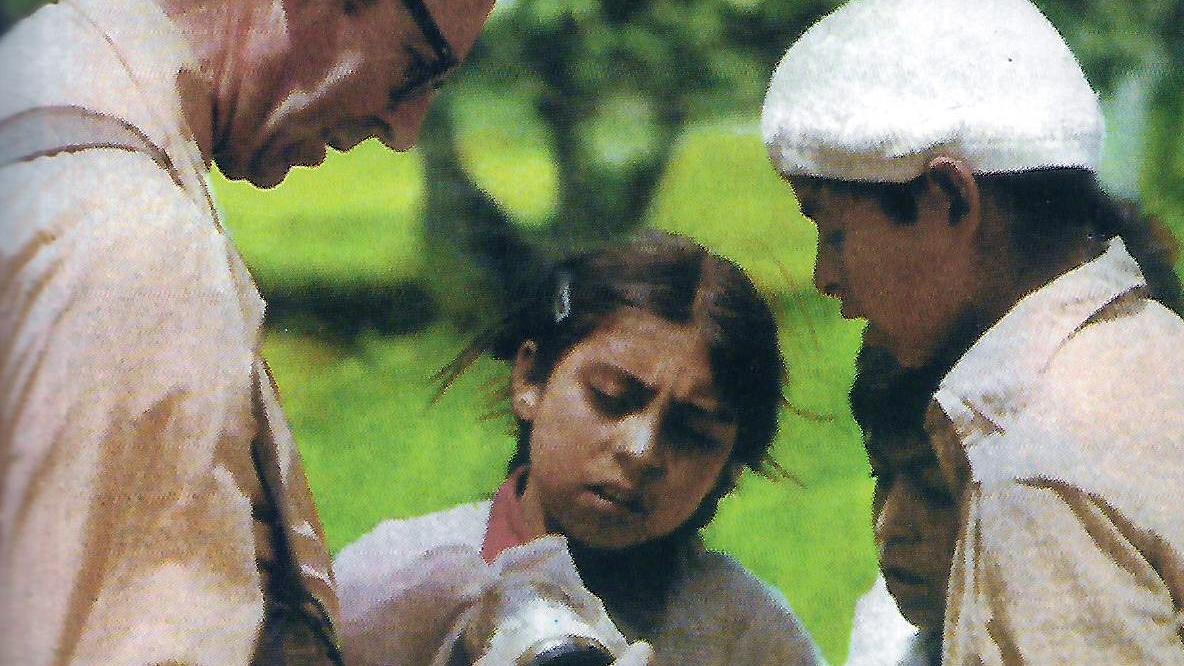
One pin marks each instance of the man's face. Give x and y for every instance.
(916, 525)
(908, 280)
(326, 76)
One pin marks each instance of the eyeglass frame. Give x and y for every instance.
(434, 72)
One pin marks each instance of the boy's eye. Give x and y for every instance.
(933, 487)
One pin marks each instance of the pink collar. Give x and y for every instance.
(507, 520)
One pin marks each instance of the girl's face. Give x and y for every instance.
(628, 433)
(916, 523)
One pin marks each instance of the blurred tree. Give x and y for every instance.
(615, 81)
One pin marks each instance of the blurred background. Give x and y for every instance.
(577, 121)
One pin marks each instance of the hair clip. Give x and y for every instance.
(563, 297)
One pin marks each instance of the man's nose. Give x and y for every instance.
(405, 122)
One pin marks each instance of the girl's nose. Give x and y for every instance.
(639, 449)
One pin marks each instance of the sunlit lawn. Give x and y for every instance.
(376, 447)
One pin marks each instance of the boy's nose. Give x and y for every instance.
(826, 275)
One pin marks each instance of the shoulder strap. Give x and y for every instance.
(50, 130)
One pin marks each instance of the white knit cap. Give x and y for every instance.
(878, 88)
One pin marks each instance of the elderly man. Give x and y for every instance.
(153, 507)
(947, 152)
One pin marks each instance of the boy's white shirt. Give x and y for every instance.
(1069, 415)
(881, 636)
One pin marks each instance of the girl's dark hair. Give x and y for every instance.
(676, 279)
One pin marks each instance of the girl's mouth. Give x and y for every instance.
(618, 498)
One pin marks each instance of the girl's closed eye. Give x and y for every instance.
(613, 392)
(688, 436)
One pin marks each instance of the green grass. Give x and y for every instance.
(374, 445)
(506, 149)
(721, 191)
(356, 218)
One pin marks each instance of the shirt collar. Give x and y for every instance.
(994, 380)
(507, 519)
(162, 69)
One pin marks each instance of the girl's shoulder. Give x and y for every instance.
(733, 587)
(748, 620)
(393, 543)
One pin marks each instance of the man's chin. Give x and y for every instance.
(267, 179)
(259, 174)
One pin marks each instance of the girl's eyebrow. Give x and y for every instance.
(698, 407)
(707, 408)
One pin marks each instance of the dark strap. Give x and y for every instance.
(49, 130)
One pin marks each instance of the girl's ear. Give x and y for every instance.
(525, 391)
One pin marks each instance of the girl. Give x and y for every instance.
(644, 380)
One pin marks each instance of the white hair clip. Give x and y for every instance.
(563, 298)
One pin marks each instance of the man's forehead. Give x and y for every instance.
(460, 21)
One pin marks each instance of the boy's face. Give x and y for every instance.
(910, 281)
(916, 525)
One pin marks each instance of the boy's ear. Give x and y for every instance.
(958, 189)
(524, 390)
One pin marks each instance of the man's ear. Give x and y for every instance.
(958, 189)
(525, 392)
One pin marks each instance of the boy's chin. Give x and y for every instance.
(923, 614)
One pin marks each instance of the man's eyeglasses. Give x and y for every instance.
(423, 75)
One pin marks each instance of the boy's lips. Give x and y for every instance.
(904, 576)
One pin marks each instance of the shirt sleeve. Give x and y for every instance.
(125, 396)
(1044, 573)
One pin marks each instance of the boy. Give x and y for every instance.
(947, 152)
